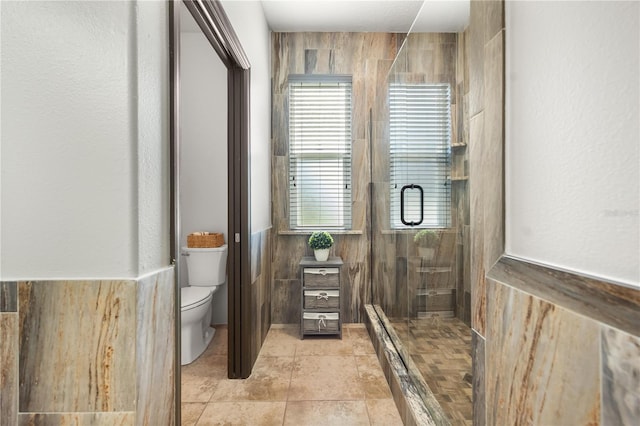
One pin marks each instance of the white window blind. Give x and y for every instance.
(320, 152)
(420, 153)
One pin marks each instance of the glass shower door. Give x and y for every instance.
(418, 215)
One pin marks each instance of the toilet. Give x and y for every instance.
(206, 269)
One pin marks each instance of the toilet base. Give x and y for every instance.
(194, 342)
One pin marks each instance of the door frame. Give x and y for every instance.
(216, 27)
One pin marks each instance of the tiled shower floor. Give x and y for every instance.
(316, 381)
(441, 350)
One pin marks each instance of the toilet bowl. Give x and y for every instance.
(206, 270)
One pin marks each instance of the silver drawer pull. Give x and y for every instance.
(323, 272)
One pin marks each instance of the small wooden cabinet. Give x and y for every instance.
(321, 297)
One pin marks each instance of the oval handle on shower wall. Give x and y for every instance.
(404, 188)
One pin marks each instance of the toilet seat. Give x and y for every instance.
(192, 297)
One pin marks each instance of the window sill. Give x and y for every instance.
(413, 230)
(331, 231)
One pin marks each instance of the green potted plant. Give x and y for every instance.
(321, 242)
(426, 240)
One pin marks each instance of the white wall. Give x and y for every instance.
(572, 182)
(249, 23)
(71, 134)
(203, 112)
(203, 148)
(152, 86)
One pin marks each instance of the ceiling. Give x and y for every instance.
(366, 15)
(358, 15)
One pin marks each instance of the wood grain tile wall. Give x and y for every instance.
(260, 288)
(88, 352)
(559, 348)
(367, 57)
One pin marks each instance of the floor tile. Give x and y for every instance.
(190, 412)
(325, 378)
(323, 345)
(213, 367)
(323, 381)
(280, 342)
(272, 368)
(383, 412)
(197, 389)
(218, 345)
(360, 341)
(251, 390)
(372, 378)
(243, 413)
(323, 413)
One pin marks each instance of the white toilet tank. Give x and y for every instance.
(206, 267)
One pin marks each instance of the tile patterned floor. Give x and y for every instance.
(316, 381)
(441, 349)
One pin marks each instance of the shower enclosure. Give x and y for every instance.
(418, 135)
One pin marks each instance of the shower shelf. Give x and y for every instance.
(441, 292)
(433, 269)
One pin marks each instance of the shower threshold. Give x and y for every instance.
(414, 400)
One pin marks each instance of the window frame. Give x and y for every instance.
(337, 155)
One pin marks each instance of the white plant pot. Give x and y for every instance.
(321, 254)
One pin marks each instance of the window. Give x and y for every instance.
(320, 152)
(420, 134)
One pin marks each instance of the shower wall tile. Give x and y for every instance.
(288, 250)
(588, 343)
(360, 168)
(8, 296)
(356, 292)
(285, 301)
(494, 19)
(367, 58)
(466, 246)
(615, 305)
(94, 419)
(61, 322)
(477, 236)
(89, 352)
(534, 372)
(620, 378)
(280, 198)
(479, 379)
(260, 289)
(280, 60)
(9, 368)
(256, 255)
(280, 125)
(154, 339)
(319, 40)
(475, 51)
(319, 61)
(492, 158)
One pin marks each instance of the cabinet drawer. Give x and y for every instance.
(321, 277)
(321, 322)
(322, 299)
